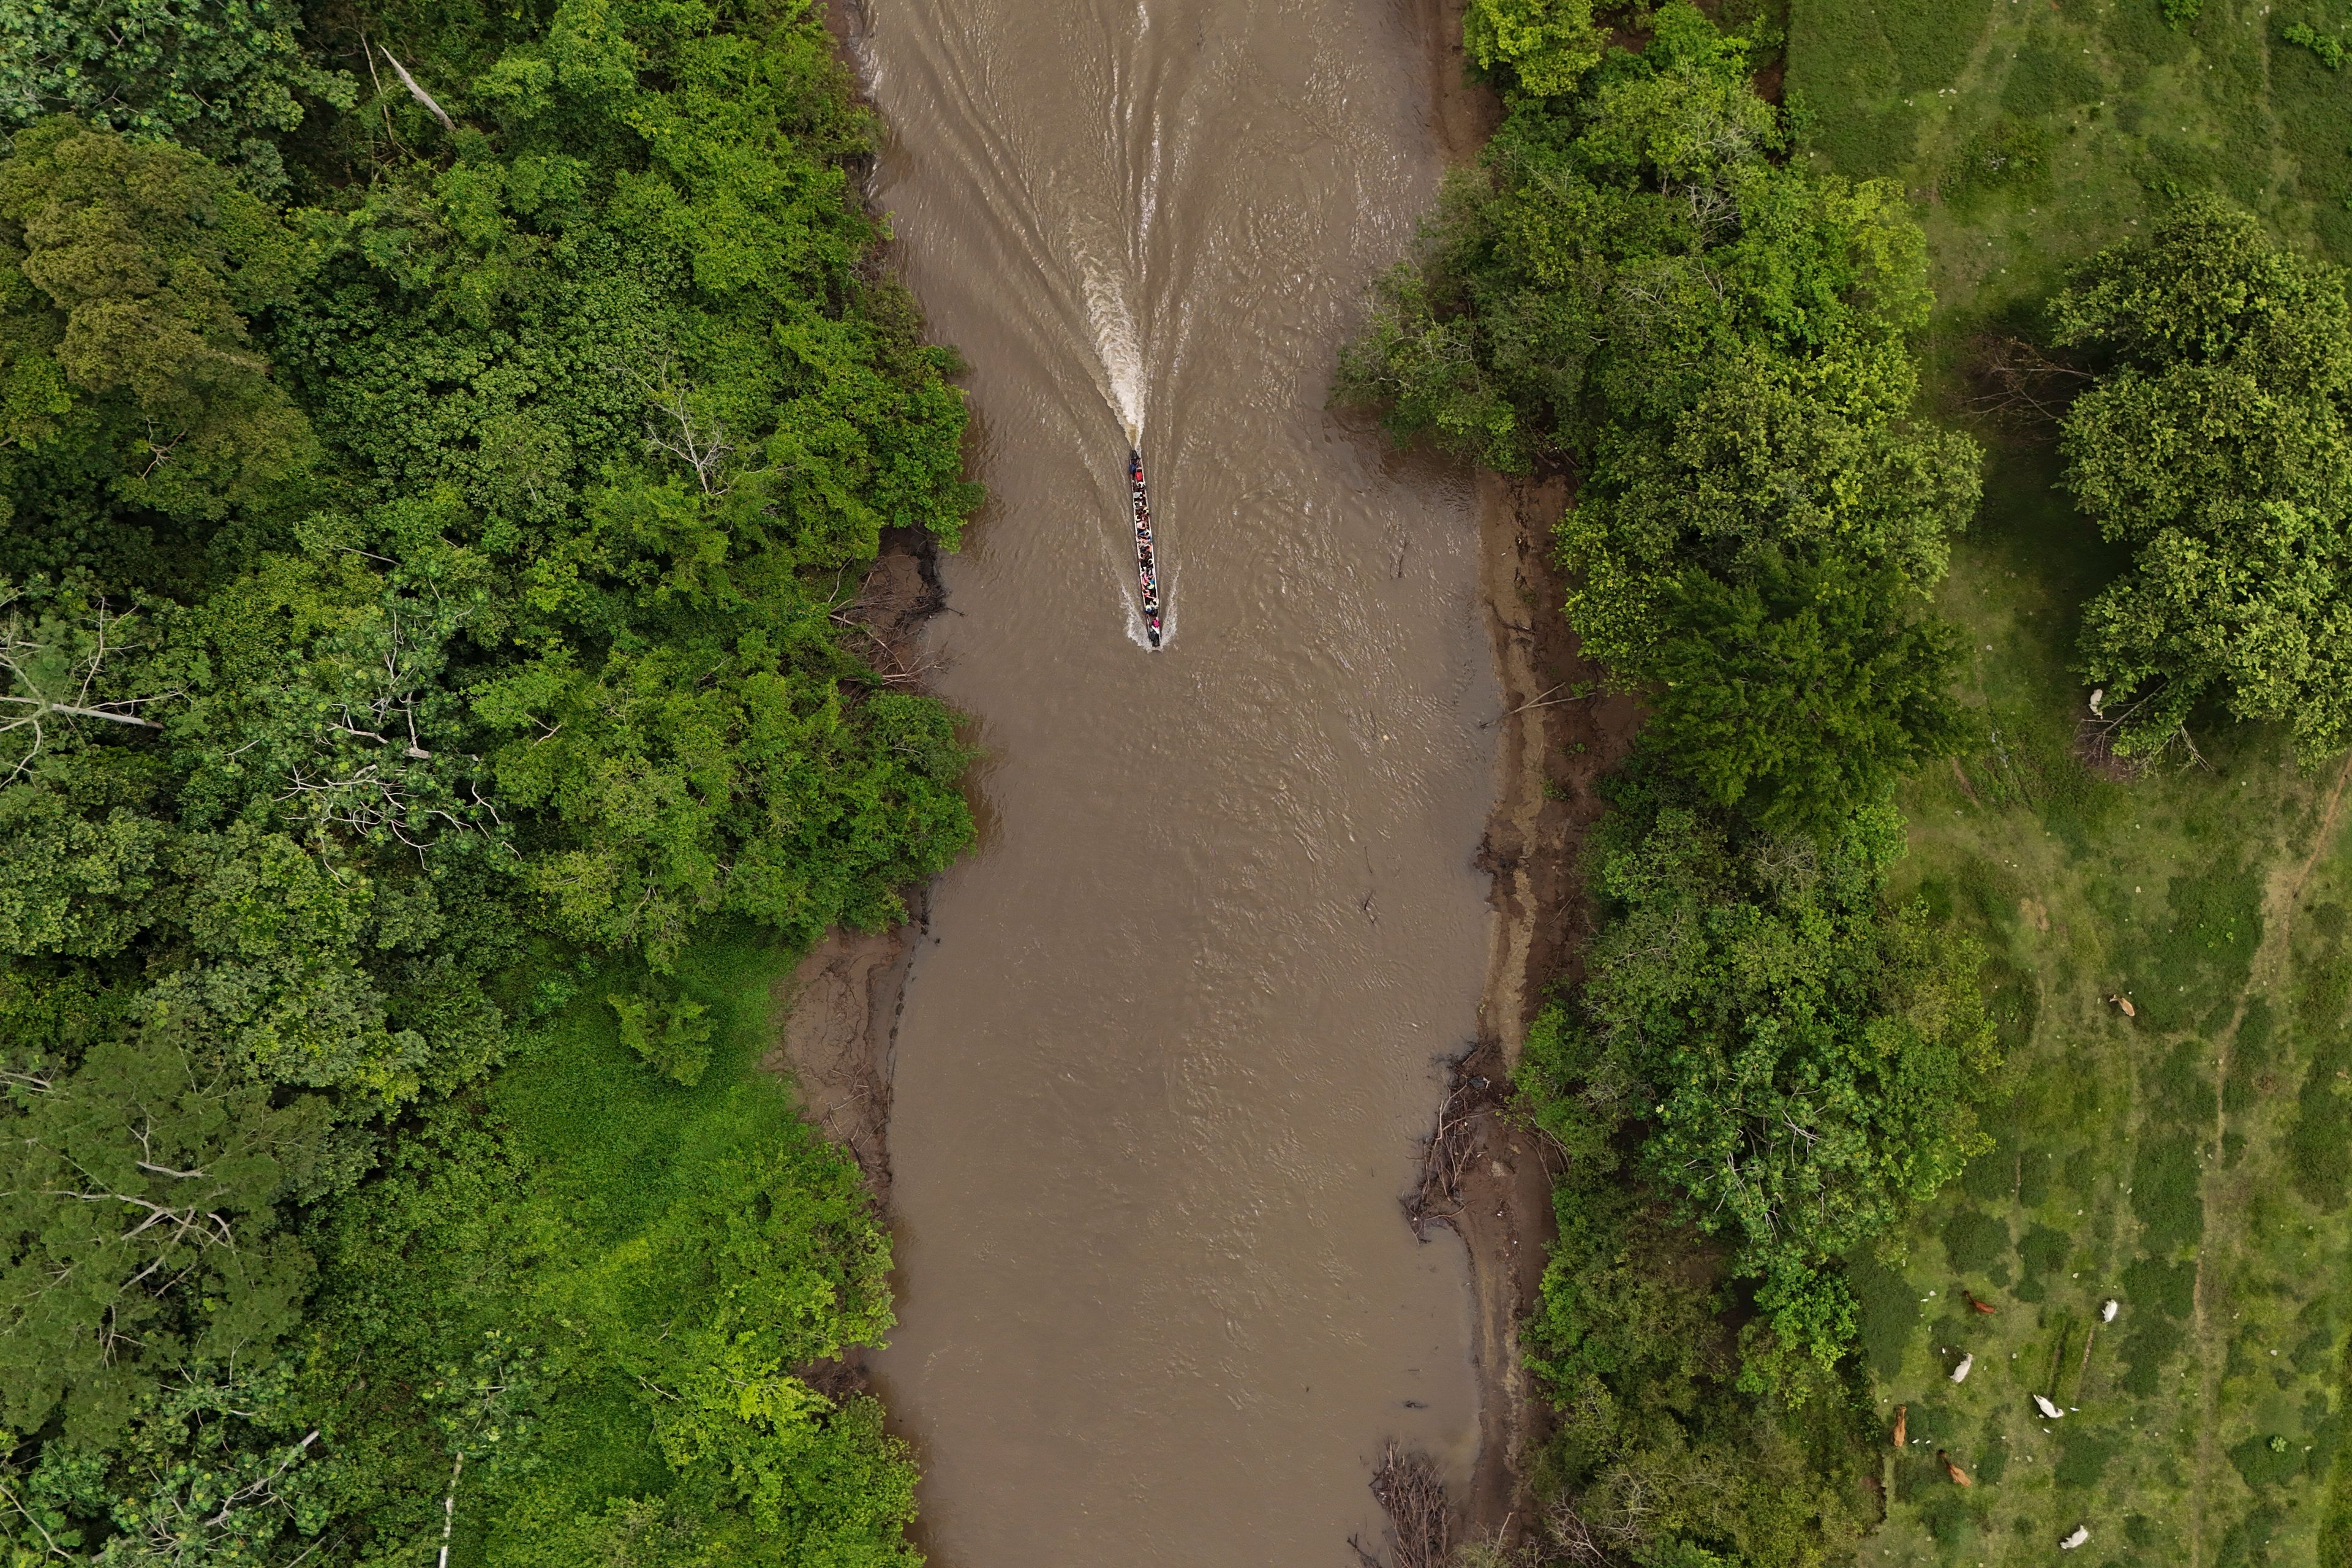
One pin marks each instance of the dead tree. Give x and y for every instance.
(50, 673)
(419, 94)
(680, 430)
(2095, 737)
(2021, 384)
(1567, 1528)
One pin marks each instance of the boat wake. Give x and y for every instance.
(1121, 347)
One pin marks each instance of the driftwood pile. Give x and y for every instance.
(1412, 1495)
(1447, 1152)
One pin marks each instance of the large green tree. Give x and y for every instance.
(141, 1199)
(131, 387)
(1803, 695)
(2215, 446)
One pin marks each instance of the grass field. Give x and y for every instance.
(2193, 1160)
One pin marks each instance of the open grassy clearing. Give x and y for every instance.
(2193, 1160)
(2189, 1161)
(2034, 131)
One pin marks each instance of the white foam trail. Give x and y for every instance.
(1120, 346)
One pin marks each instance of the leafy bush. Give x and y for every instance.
(2328, 48)
(1544, 46)
(1801, 697)
(670, 1032)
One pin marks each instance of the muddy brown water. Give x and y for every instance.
(1172, 1032)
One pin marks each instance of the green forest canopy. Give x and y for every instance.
(424, 523)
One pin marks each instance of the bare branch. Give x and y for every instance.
(701, 448)
(42, 681)
(418, 93)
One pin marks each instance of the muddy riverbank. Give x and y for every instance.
(1558, 735)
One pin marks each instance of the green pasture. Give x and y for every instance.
(2031, 131)
(2191, 1161)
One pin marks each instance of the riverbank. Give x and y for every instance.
(834, 1020)
(1558, 735)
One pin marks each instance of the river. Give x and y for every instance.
(1173, 1030)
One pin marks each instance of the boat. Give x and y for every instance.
(1147, 566)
